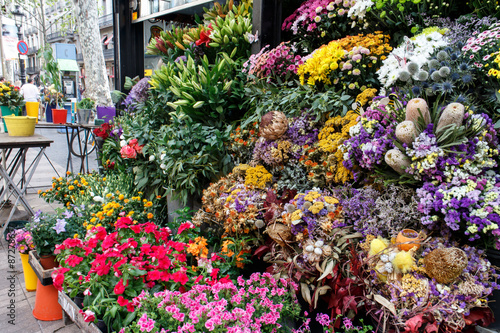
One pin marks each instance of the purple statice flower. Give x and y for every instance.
(370, 139)
(302, 133)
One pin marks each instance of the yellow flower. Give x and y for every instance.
(316, 207)
(258, 176)
(148, 204)
(150, 215)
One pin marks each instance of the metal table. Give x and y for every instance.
(9, 168)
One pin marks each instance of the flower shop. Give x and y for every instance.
(344, 180)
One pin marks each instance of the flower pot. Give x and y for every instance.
(102, 326)
(47, 306)
(407, 239)
(20, 126)
(59, 116)
(79, 301)
(83, 116)
(7, 111)
(107, 113)
(48, 261)
(48, 113)
(30, 279)
(32, 109)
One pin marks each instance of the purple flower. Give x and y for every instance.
(60, 226)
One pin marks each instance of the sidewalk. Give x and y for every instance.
(12, 287)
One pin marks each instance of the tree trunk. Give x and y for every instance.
(96, 83)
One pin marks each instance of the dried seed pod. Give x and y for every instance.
(406, 132)
(273, 125)
(452, 114)
(445, 264)
(280, 233)
(415, 107)
(397, 160)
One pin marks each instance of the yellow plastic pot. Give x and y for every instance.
(32, 109)
(30, 277)
(20, 126)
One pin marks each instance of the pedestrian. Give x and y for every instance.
(30, 92)
(2, 79)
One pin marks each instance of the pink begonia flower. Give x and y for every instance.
(128, 152)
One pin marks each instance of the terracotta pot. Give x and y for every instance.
(48, 261)
(407, 239)
(47, 306)
(59, 116)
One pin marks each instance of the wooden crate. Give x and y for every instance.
(72, 311)
(44, 275)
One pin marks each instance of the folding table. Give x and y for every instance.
(12, 160)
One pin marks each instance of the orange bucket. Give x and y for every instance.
(59, 116)
(47, 306)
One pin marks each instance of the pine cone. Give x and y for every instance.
(273, 125)
(445, 264)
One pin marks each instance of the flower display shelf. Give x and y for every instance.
(44, 275)
(71, 313)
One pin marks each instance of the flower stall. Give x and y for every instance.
(347, 177)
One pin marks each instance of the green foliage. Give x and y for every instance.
(50, 71)
(86, 104)
(207, 93)
(190, 156)
(10, 96)
(262, 98)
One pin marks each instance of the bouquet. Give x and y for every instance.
(53, 97)
(10, 95)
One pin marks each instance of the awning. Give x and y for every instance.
(68, 65)
(108, 40)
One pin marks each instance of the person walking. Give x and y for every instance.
(30, 93)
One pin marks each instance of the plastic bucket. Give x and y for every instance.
(83, 116)
(106, 112)
(6, 111)
(30, 278)
(59, 116)
(48, 113)
(32, 109)
(20, 126)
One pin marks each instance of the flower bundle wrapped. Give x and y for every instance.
(407, 288)
(259, 304)
(416, 50)
(21, 240)
(279, 63)
(370, 138)
(317, 21)
(324, 161)
(353, 68)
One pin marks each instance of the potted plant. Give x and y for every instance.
(10, 100)
(84, 110)
(22, 241)
(51, 78)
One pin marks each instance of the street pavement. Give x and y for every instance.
(12, 287)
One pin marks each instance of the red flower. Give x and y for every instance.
(150, 227)
(180, 277)
(122, 301)
(120, 287)
(185, 226)
(73, 260)
(58, 277)
(136, 228)
(123, 222)
(204, 39)
(109, 241)
(154, 275)
(100, 233)
(128, 152)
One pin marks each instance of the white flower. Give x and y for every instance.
(151, 158)
(123, 143)
(98, 199)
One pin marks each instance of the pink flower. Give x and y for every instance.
(128, 152)
(185, 226)
(88, 316)
(145, 324)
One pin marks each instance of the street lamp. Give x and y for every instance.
(18, 18)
